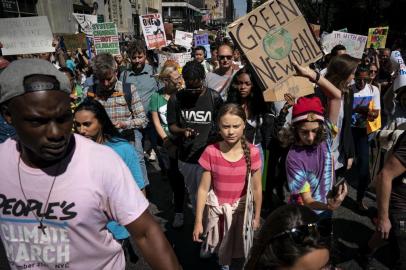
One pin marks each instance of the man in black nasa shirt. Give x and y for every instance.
(192, 116)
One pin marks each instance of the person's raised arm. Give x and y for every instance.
(151, 241)
(332, 92)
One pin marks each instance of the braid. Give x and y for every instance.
(247, 156)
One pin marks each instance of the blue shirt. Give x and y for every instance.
(127, 153)
(145, 84)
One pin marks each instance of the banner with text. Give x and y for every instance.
(180, 58)
(377, 37)
(354, 44)
(86, 22)
(73, 42)
(105, 38)
(184, 39)
(26, 35)
(399, 64)
(154, 31)
(272, 37)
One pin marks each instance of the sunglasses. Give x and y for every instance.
(300, 233)
(222, 57)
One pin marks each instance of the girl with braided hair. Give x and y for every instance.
(221, 195)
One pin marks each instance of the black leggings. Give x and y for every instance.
(177, 184)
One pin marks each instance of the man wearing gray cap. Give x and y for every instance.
(59, 190)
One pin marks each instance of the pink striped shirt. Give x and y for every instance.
(228, 178)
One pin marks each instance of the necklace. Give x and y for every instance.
(40, 220)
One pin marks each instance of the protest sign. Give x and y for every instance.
(86, 22)
(208, 51)
(73, 42)
(272, 37)
(180, 58)
(26, 35)
(106, 38)
(354, 44)
(154, 31)
(377, 37)
(184, 39)
(315, 29)
(400, 66)
(9, 5)
(201, 40)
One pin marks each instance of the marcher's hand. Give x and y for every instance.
(304, 71)
(290, 99)
(335, 202)
(349, 163)
(189, 132)
(372, 115)
(120, 125)
(256, 223)
(197, 232)
(383, 226)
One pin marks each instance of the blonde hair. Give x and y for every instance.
(166, 71)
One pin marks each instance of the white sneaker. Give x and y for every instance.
(152, 155)
(177, 220)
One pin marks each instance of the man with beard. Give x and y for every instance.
(59, 190)
(121, 102)
(192, 114)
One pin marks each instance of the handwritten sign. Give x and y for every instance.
(377, 37)
(355, 44)
(400, 65)
(180, 58)
(73, 42)
(273, 36)
(86, 22)
(26, 35)
(153, 30)
(106, 38)
(184, 39)
(201, 40)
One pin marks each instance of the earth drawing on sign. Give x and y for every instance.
(278, 43)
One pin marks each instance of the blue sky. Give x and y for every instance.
(240, 7)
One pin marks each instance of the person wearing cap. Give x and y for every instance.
(309, 163)
(59, 190)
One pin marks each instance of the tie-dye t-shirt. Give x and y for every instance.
(310, 169)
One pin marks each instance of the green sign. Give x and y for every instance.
(105, 38)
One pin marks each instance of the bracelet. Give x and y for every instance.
(317, 77)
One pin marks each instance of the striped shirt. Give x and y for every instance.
(228, 178)
(117, 108)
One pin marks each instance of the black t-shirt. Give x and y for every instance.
(398, 196)
(197, 112)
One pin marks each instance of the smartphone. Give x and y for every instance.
(334, 191)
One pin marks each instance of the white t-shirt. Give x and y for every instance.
(95, 187)
(362, 98)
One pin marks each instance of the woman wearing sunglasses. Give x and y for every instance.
(290, 239)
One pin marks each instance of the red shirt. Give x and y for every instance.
(228, 178)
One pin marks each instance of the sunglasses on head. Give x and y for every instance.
(222, 57)
(300, 233)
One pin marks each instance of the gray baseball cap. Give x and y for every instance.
(12, 78)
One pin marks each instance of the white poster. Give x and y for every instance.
(184, 39)
(153, 30)
(26, 35)
(180, 58)
(86, 22)
(355, 44)
(400, 66)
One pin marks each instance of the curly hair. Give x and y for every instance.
(193, 70)
(289, 135)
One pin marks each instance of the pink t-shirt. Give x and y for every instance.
(228, 178)
(95, 187)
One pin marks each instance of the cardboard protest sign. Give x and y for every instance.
(86, 22)
(26, 35)
(272, 37)
(73, 42)
(153, 30)
(355, 44)
(377, 37)
(315, 29)
(106, 38)
(400, 65)
(201, 40)
(184, 39)
(180, 58)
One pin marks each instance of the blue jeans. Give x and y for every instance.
(140, 152)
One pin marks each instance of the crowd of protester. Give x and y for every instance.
(79, 128)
